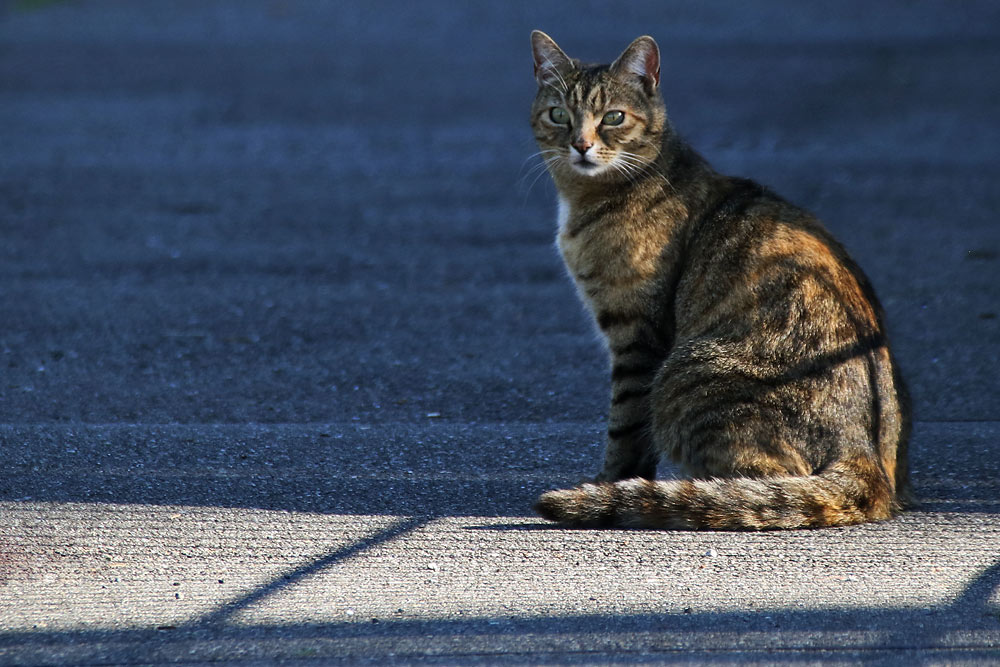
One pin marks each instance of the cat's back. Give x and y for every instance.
(757, 265)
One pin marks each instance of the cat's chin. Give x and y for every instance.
(587, 168)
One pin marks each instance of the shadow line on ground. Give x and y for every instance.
(229, 610)
(968, 627)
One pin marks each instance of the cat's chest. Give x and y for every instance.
(609, 257)
(573, 245)
(562, 214)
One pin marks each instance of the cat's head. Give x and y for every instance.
(597, 121)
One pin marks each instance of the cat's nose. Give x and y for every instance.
(582, 146)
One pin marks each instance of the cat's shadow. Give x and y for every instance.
(516, 527)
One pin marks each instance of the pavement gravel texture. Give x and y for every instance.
(288, 353)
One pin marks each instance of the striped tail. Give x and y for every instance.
(828, 499)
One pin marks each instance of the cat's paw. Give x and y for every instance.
(610, 476)
(644, 470)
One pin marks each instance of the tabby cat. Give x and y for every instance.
(745, 344)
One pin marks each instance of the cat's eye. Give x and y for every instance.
(559, 116)
(613, 118)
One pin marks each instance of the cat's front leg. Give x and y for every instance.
(629, 451)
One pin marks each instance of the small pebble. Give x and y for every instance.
(711, 553)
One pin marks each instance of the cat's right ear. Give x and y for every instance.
(551, 64)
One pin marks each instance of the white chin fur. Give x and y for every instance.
(589, 169)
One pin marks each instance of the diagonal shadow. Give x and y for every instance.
(976, 596)
(879, 629)
(227, 611)
(966, 629)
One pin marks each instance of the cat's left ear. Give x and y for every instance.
(641, 61)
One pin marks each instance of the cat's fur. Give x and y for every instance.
(745, 344)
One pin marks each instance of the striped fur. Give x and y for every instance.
(745, 344)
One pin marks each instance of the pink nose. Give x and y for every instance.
(582, 145)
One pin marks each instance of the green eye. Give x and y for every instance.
(613, 118)
(559, 116)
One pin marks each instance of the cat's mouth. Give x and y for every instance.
(583, 165)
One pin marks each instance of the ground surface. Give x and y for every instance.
(288, 353)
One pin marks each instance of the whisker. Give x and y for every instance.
(624, 170)
(542, 167)
(561, 89)
(632, 166)
(550, 67)
(639, 162)
(539, 154)
(534, 171)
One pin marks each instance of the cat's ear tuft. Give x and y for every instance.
(551, 63)
(641, 61)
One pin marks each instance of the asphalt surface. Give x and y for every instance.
(288, 352)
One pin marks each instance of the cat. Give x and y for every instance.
(745, 344)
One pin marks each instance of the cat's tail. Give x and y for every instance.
(832, 498)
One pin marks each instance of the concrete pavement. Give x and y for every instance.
(288, 352)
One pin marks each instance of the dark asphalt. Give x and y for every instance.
(288, 351)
